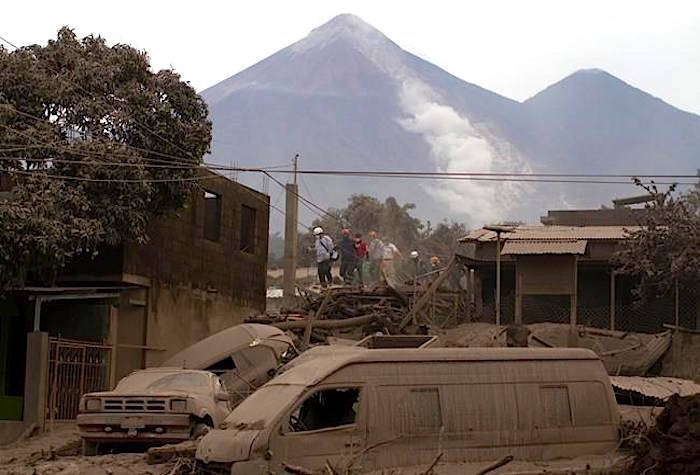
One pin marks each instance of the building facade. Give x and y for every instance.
(564, 274)
(204, 269)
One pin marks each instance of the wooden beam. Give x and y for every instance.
(676, 307)
(612, 299)
(326, 324)
(574, 296)
(113, 334)
(312, 316)
(518, 296)
(427, 296)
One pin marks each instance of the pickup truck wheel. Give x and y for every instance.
(90, 448)
(200, 428)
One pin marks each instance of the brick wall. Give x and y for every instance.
(180, 254)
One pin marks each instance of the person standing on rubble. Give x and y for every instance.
(325, 255)
(375, 252)
(347, 256)
(360, 258)
(389, 253)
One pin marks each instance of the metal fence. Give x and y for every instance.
(75, 368)
(651, 315)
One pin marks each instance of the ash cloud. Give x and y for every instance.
(457, 146)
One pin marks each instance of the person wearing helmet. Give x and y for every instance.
(325, 251)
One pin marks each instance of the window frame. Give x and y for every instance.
(251, 249)
(218, 215)
(285, 428)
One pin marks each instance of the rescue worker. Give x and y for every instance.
(375, 254)
(347, 256)
(324, 253)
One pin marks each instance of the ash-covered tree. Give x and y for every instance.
(94, 144)
(666, 248)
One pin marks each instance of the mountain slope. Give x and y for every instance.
(347, 97)
(594, 118)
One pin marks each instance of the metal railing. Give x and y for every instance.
(75, 368)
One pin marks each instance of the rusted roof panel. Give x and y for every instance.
(544, 246)
(660, 388)
(551, 233)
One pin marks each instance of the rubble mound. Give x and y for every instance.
(672, 445)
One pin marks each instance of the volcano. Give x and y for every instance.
(346, 97)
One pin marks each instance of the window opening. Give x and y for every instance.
(248, 229)
(212, 216)
(326, 409)
(222, 366)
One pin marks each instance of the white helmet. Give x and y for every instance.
(318, 230)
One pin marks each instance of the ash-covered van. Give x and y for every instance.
(378, 409)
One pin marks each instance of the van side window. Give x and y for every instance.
(556, 410)
(416, 410)
(476, 404)
(221, 366)
(326, 409)
(590, 403)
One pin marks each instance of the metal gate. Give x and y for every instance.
(75, 368)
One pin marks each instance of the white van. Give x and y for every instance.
(376, 409)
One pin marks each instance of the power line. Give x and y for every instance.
(109, 180)
(502, 176)
(9, 43)
(308, 203)
(434, 174)
(473, 176)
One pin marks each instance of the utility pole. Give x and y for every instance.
(498, 230)
(291, 237)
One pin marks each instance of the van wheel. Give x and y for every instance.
(200, 427)
(90, 448)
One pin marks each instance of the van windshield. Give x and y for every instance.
(261, 407)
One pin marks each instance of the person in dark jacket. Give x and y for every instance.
(347, 256)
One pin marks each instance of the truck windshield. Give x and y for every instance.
(263, 406)
(164, 381)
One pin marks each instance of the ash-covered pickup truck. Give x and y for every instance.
(158, 405)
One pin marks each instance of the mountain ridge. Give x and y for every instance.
(348, 97)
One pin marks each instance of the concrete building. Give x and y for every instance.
(204, 269)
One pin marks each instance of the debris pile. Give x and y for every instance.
(672, 445)
(350, 311)
(354, 312)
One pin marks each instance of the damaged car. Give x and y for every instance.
(244, 356)
(153, 406)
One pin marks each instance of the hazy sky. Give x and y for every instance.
(515, 48)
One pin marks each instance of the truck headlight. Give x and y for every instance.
(93, 405)
(178, 405)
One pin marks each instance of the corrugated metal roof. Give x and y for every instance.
(544, 246)
(554, 233)
(659, 387)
